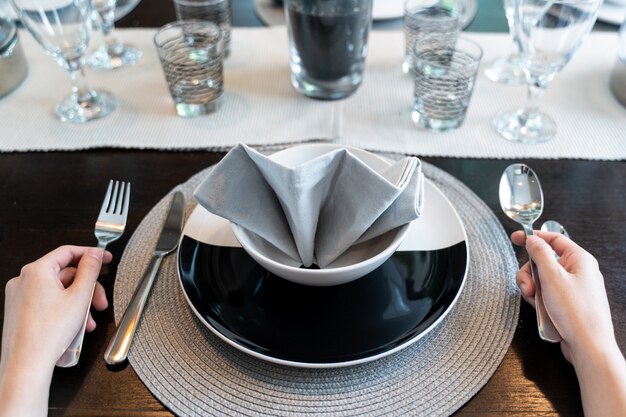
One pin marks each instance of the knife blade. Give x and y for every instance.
(118, 348)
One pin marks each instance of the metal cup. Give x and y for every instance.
(13, 67)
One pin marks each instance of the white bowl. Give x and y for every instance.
(356, 262)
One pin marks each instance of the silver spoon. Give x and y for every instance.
(521, 199)
(554, 226)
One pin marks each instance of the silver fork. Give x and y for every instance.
(109, 227)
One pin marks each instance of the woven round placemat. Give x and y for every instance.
(192, 372)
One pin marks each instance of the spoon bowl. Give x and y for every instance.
(521, 196)
(555, 227)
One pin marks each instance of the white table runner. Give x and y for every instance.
(591, 123)
(260, 106)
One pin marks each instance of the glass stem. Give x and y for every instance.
(535, 92)
(80, 89)
(107, 22)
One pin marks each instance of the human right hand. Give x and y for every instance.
(572, 289)
(575, 298)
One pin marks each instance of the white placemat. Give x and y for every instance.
(260, 106)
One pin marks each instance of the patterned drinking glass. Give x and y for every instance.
(444, 73)
(192, 57)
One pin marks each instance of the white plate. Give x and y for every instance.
(614, 14)
(394, 9)
(272, 14)
(387, 9)
(122, 8)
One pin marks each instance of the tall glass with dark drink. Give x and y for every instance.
(327, 45)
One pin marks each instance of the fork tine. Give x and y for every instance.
(107, 198)
(126, 200)
(113, 203)
(120, 200)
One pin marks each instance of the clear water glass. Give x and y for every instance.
(112, 54)
(548, 33)
(423, 18)
(507, 69)
(216, 11)
(618, 74)
(63, 28)
(192, 57)
(444, 76)
(327, 45)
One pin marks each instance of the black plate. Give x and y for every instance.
(285, 322)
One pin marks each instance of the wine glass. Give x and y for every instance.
(547, 33)
(112, 54)
(62, 28)
(507, 69)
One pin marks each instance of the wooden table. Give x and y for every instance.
(52, 198)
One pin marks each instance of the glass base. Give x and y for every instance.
(326, 90)
(105, 58)
(93, 105)
(193, 109)
(506, 70)
(435, 125)
(523, 127)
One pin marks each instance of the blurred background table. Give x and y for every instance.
(37, 187)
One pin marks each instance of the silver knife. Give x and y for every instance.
(168, 241)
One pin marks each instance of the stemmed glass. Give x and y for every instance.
(112, 54)
(507, 69)
(62, 28)
(547, 33)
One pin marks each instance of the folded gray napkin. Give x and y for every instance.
(315, 211)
